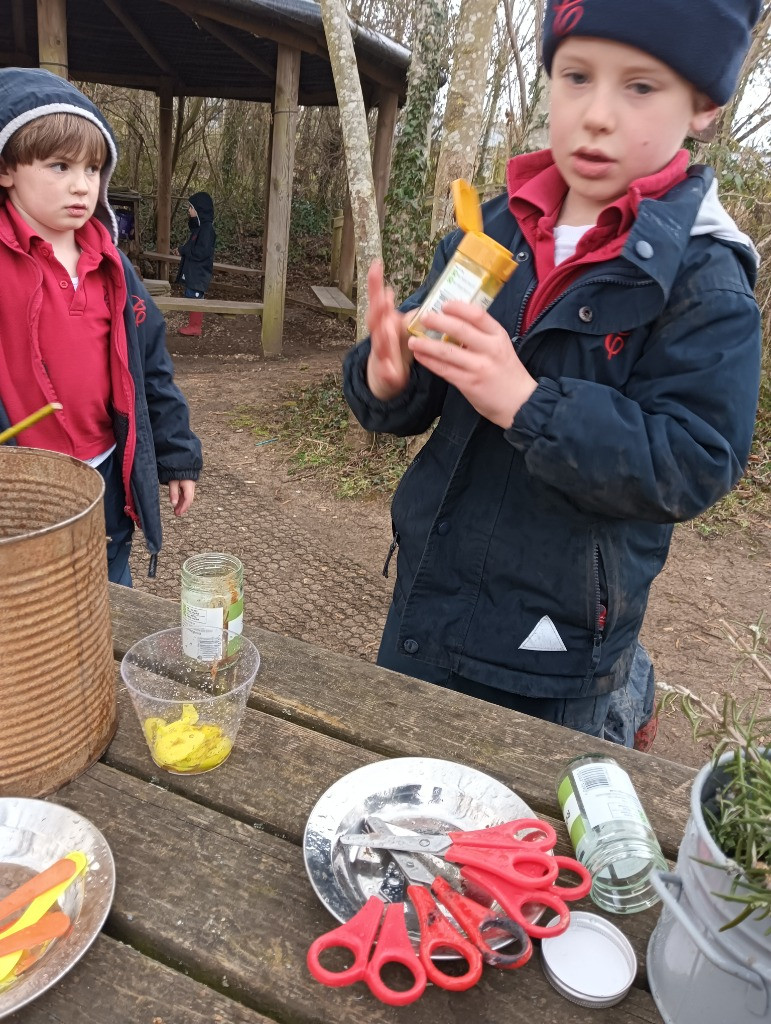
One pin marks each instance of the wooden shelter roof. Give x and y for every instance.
(217, 48)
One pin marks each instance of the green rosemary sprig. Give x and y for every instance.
(739, 816)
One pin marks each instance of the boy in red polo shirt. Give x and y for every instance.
(76, 324)
(609, 391)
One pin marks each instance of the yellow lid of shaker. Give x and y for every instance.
(468, 212)
(489, 254)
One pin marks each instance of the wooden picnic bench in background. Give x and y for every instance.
(174, 304)
(225, 268)
(334, 300)
(331, 298)
(156, 286)
(214, 912)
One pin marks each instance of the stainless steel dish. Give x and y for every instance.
(417, 794)
(33, 835)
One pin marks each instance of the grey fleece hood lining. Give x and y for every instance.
(713, 219)
(70, 108)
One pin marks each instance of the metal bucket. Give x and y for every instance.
(699, 974)
(57, 677)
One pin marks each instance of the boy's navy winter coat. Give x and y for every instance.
(525, 556)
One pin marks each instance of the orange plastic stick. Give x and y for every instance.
(52, 926)
(59, 872)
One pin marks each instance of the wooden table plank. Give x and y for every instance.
(232, 907)
(348, 700)
(295, 767)
(114, 982)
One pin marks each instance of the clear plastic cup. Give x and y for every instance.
(190, 709)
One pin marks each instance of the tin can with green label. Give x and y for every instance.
(212, 599)
(610, 833)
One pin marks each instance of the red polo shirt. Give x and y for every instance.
(537, 191)
(64, 331)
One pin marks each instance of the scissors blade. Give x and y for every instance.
(410, 867)
(408, 844)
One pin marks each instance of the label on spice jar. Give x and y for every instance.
(605, 793)
(201, 638)
(457, 284)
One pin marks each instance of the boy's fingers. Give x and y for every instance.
(181, 494)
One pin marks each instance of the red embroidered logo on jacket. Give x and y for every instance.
(567, 15)
(614, 343)
(140, 310)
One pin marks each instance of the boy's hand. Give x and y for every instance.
(181, 494)
(388, 366)
(483, 365)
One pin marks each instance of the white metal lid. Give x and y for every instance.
(591, 963)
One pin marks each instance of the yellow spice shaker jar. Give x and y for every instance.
(477, 270)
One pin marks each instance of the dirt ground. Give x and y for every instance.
(313, 563)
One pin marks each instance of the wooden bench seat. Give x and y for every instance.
(334, 300)
(169, 304)
(156, 286)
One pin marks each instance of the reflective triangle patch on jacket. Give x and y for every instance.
(543, 637)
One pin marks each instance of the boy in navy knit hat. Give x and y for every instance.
(77, 325)
(608, 392)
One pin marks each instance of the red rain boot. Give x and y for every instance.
(194, 322)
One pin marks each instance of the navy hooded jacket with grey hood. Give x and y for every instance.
(164, 446)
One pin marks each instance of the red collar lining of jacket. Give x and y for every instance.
(537, 191)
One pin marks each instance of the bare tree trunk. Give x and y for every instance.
(404, 202)
(463, 115)
(530, 127)
(353, 120)
(499, 70)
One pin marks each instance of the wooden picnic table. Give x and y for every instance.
(213, 911)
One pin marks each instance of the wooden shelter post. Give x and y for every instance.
(283, 132)
(165, 149)
(52, 36)
(387, 110)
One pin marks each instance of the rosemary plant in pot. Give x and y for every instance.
(709, 957)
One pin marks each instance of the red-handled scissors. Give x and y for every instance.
(480, 924)
(523, 903)
(501, 849)
(358, 936)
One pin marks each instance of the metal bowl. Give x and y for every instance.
(418, 794)
(34, 834)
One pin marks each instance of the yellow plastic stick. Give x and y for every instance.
(29, 421)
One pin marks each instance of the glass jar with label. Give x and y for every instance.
(476, 271)
(212, 599)
(610, 833)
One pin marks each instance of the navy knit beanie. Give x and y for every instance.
(704, 41)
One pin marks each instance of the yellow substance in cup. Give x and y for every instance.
(185, 746)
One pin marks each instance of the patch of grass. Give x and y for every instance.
(325, 441)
